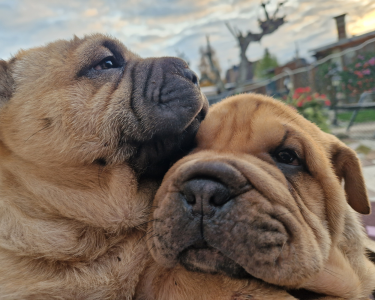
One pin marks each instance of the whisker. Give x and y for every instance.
(332, 273)
(144, 223)
(289, 212)
(143, 236)
(152, 236)
(45, 127)
(281, 251)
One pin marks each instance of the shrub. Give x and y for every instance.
(359, 76)
(310, 105)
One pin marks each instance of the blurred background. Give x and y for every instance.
(316, 55)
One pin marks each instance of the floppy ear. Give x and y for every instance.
(348, 168)
(6, 82)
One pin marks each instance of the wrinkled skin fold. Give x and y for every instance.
(261, 199)
(87, 130)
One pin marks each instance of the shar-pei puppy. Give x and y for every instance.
(86, 129)
(267, 202)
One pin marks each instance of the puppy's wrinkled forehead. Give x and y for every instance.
(256, 126)
(90, 52)
(67, 59)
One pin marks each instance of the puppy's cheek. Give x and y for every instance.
(172, 230)
(268, 240)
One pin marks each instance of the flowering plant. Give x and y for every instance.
(359, 76)
(310, 105)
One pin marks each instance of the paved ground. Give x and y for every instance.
(357, 131)
(366, 152)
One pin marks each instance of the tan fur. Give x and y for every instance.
(76, 144)
(324, 243)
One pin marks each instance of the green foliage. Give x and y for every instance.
(323, 80)
(268, 62)
(310, 105)
(366, 115)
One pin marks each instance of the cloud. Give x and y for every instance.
(159, 28)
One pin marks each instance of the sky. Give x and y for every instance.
(167, 27)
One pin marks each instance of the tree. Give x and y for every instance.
(268, 26)
(267, 63)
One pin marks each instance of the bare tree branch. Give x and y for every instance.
(277, 9)
(265, 10)
(268, 26)
(230, 29)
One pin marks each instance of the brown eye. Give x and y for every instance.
(287, 156)
(107, 63)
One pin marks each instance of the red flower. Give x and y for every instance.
(327, 102)
(299, 103)
(302, 90)
(323, 96)
(308, 98)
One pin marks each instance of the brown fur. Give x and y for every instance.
(290, 225)
(80, 146)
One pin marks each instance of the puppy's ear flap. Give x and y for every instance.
(348, 168)
(6, 82)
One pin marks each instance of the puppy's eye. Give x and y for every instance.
(287, 156)
(107, 63)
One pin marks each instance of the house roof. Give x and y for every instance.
(344, 41)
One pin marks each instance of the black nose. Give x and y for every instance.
(204, 194)
(189, 74)
(179, 66)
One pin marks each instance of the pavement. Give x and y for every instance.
(365, 149)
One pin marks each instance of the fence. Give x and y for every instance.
(344, 77)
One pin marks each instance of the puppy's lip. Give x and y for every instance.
(201, 257)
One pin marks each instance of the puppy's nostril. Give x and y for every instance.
(205, 192)
(189, 74)
(190, 199)
(195, 79)
(219, 199)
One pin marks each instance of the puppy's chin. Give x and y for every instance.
(211, 260)
(155, 157)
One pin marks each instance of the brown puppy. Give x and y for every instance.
(260, 197)
(84, 126)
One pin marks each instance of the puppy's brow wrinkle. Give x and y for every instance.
(291, 120)
(45, 127)
(47, 121)
(132, 92)
(162, 86)
(149, 74)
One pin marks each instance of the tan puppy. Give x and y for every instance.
(260, 197)
(84, 126)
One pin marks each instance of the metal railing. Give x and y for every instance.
(323, 77)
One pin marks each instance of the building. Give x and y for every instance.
(292, 81)
(344, 42)
(232, 74)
